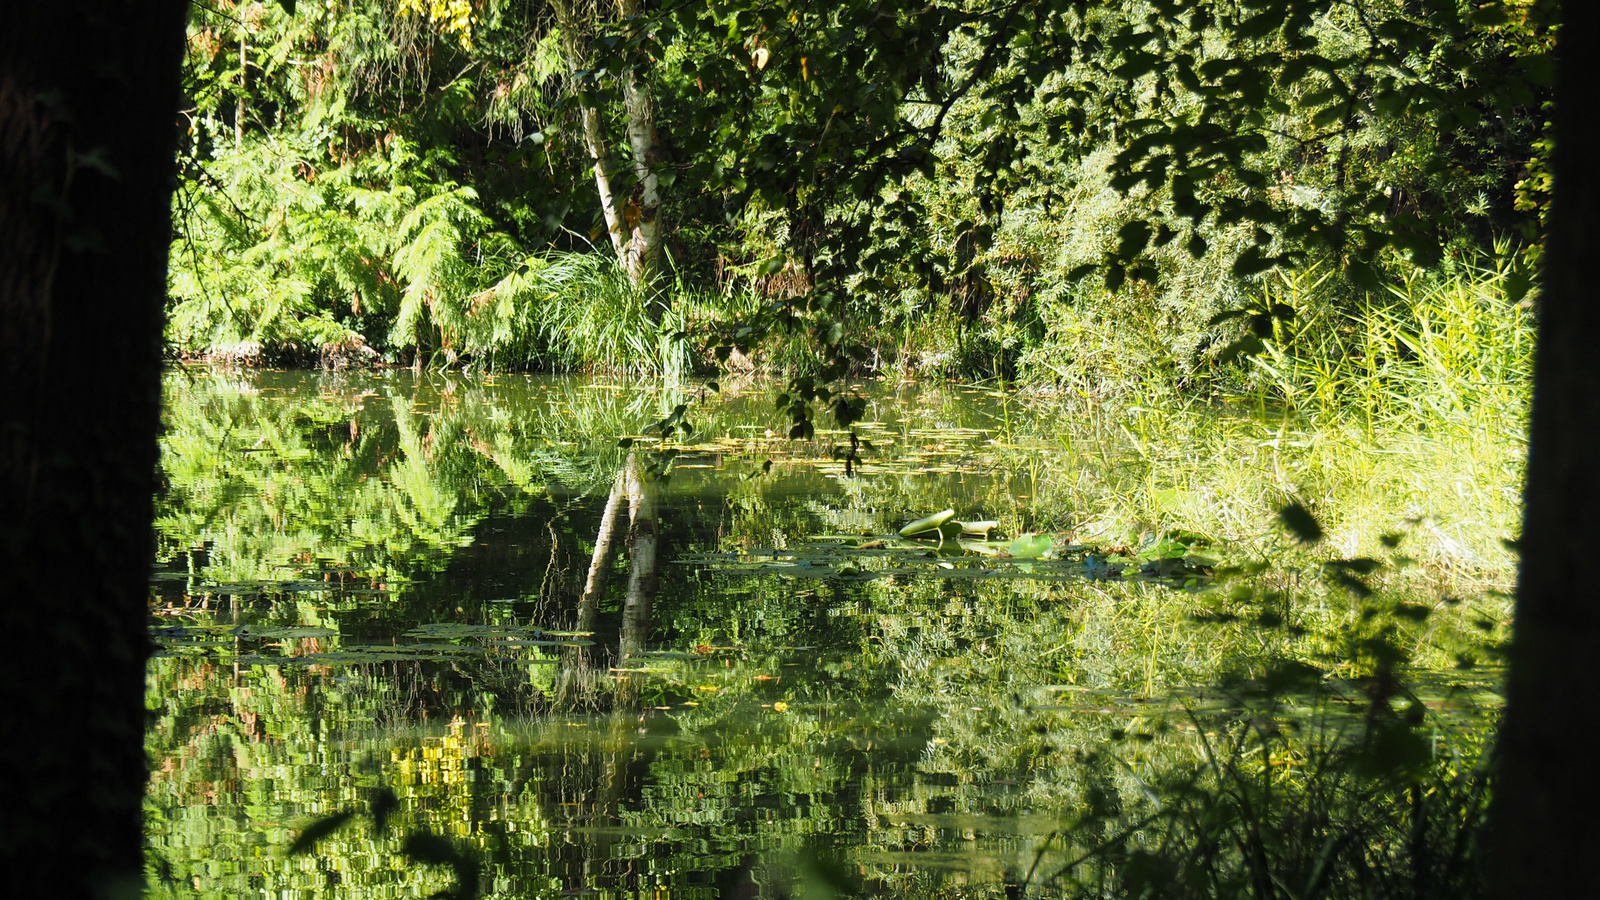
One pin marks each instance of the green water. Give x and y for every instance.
(370, 581)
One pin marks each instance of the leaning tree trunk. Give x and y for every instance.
(1543, 818)
(632, 219)
(88, 100)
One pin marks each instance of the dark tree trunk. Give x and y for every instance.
(88, 100)
(1544, 816)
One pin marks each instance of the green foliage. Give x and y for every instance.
(923, 189)
(318, 640)
(578, 311)
(1299, 811)
(419, 845)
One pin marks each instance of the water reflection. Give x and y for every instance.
(378, 581)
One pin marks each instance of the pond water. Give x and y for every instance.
(371, 582)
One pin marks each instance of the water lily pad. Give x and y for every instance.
(1030, 546)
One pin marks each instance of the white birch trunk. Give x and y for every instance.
(594, 133)
(594, 138)
(643, 250)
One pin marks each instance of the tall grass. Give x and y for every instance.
(1447, 351)
(578, 312)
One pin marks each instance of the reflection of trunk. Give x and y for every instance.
(643, 556)
(602, 773)
(605, 552)
(643, 575)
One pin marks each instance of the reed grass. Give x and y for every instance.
(1448, 351)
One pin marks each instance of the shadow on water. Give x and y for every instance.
(379, 581)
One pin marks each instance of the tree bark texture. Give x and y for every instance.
(1543, 818)
(593, 127)
(88, 100)
(643, 252)
(632, 219)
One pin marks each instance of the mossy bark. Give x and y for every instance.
(89, 93)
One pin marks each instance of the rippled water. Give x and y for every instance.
(370, 583)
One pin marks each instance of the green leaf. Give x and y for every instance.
(1030, 546)
(927, 523)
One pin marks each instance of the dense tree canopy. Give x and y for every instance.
(386, 174)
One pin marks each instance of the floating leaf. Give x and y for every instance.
(1030, 546)
(927, 523)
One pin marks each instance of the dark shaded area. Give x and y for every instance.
(1544, 807)
(87, 99)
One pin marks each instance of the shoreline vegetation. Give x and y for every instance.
(1407, 413)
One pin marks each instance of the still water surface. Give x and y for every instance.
(371, 581)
